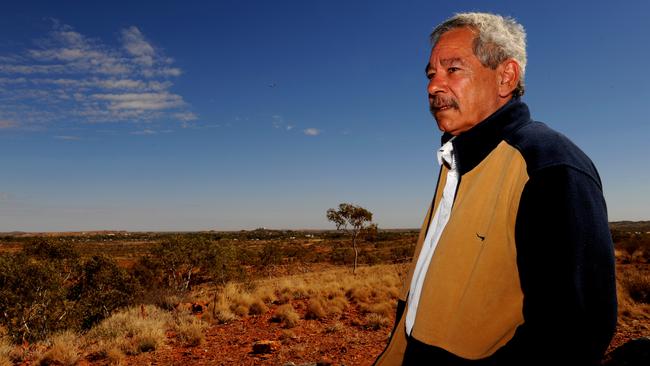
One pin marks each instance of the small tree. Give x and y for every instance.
(352, 219)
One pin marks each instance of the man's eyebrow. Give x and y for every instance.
(445, 62)
(451, 61)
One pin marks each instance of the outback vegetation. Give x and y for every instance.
(352, 219)
(263, 297)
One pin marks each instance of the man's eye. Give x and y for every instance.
(453, 69)
(431, 75)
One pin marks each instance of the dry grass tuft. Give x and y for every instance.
(292, 288)
(130, 332)
(376, 321)
(240, 303)
(334, 328)
(315, 309)
(637, 285)
(383, 308)
(287, 315)
(189, 329)
(337, 305)
(114, 356)
(64, 350)
(266, 294)
(257, 307)
(633, 290)
(219, 312)
(373, 290)
(6, 348)
(236, 301)
(287, 335)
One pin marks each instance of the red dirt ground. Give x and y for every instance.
(307, 343)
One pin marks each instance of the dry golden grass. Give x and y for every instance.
(329, 293)
(6, 349)
(189, 329)
(131, 331)
(376, 321)
(315, 309)
(286, 315)
(334, 328)
(287, 335)
(114, 356)
(63, 351)
(219, 313)
(633, 292)
(234, 301)
(257, 307)
(637, 286)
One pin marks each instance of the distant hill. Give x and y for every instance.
(631, 226)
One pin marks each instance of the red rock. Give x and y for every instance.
(264, 347)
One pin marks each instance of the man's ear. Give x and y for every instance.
(507, 77)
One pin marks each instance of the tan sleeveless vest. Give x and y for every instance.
(471, 301)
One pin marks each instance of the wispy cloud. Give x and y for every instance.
(279, 123)
(311, 131)
(144, 132)
(67, 76)
(186, 116)
(136, 45)
(67, 138)
(141, 101)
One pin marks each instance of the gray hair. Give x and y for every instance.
(498, 39)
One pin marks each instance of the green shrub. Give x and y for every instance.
(271, 254)
(101, 288)
(32, 297)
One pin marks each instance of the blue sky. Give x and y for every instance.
(187, 115)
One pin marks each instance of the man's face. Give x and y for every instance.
(462, 92)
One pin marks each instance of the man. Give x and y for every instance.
(514, 263)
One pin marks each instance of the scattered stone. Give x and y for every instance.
(265, 347)
(194, 308)
(324, 362)
(197, 308)
(289, 364)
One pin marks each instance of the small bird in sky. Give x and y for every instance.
(272, 85)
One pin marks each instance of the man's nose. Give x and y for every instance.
(437, 83)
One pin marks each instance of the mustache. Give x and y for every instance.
(439, 101)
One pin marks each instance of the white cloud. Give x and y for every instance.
(144, 132)
(32, 69)
(311, 131)
(141, 101)
(186, 116)
(67, 138)
(70, 77)
(121, 84)
(136, 45)
(13, 81)
(279, 122)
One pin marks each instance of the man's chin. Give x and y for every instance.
(447, 126)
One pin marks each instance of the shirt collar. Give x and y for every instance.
(446, 154)
(473, 145)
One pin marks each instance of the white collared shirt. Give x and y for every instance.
(437, 225)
